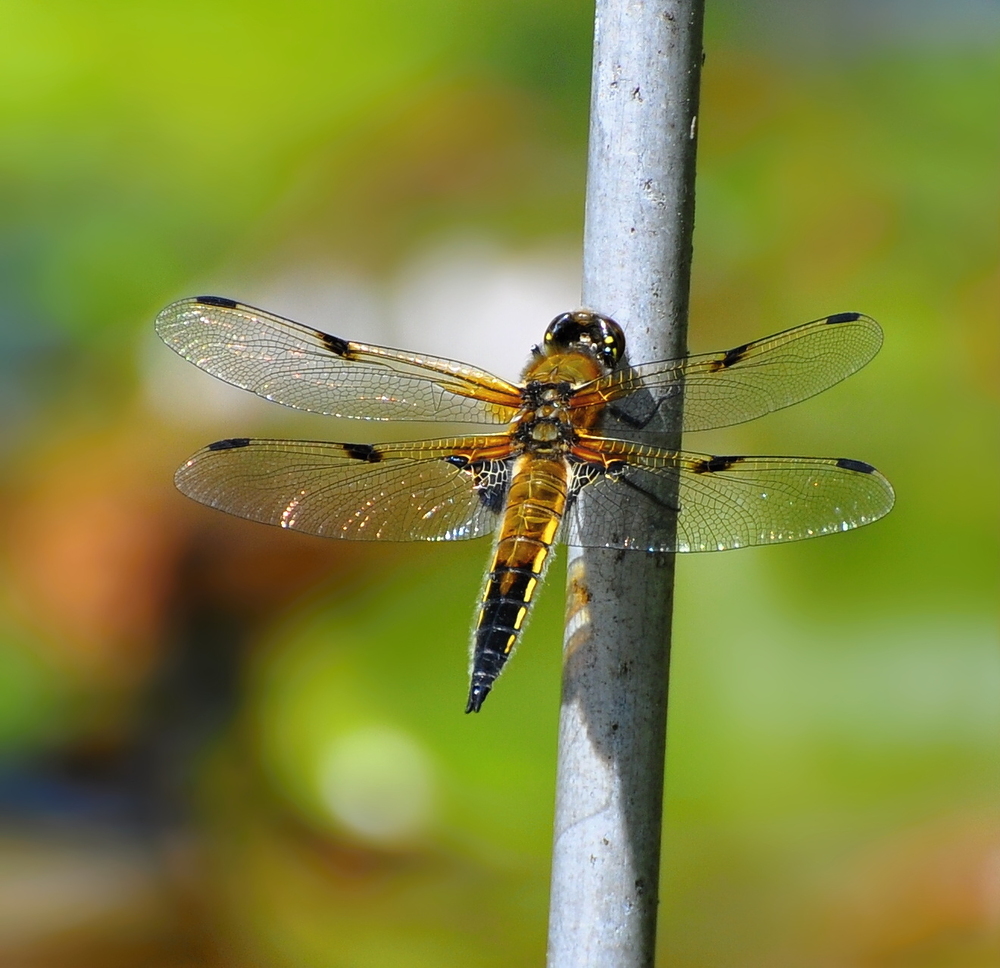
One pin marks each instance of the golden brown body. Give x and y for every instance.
(536, 502)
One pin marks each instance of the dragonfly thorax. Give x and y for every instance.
(544, 423)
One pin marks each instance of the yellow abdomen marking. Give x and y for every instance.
(536, 502)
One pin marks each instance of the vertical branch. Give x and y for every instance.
(637, 259)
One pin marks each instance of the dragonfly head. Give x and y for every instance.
(596, 334)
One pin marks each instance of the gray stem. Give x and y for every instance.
(637, 259)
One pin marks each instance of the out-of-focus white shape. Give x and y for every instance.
(379, 783)
(333, 301)
(470, 300)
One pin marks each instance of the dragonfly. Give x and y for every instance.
(583, 429)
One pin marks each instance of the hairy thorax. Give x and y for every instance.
(546, 425)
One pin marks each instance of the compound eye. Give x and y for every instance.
(563, 330)
(611, 342)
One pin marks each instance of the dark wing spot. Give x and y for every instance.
(734, 355)
(491, 488)
(492, 497)
(489, 484)
(217, 301)
(365, 452)
(715, 464)
(843, 317)
(335, 344)
(231, 443)
(855, 465)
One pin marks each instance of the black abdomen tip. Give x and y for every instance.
(487, 664)
(477, 695)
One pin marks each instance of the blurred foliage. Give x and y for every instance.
(226, 745)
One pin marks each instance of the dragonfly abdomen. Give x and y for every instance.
(535, 505)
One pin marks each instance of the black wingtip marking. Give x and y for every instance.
(217, 301)
(715, 464)
(335, 344)
(855, 465)
(843, 318)
(365, 452)
(230, 443)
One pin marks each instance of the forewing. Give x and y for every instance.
(746, 382)
(301, 367)
(722, 502)
(436, 490)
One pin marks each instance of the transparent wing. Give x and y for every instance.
(435, 490)
(720, 389)
(301, 367)
(723, 502)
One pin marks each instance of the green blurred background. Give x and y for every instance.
(228, 746)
